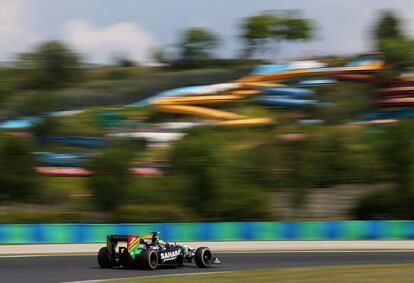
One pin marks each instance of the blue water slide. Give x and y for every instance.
(285, 101)
(169, 93)
(21, 123)
(309, 122)
(317, 82)
(61, 159)
(270, 69)
(288, 91)
(379, 115)
(361, 62)
(89, 142)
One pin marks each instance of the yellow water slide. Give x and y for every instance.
(257, 84)
(188, 106)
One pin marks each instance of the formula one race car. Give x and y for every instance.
(148, 252)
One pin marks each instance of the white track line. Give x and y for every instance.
(151, 276)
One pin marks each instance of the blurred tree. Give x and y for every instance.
(112, 178)
(399, 52)
(7, 83)
(215, 189)
(261, 33)
(18, 178)
(258, 31)
(390, 39)
(197, 44)
(162, 55)
(125, 63)
(122, 60)
(51, 65)
(38, 102)
(196, 159)
(397, 150)
(388, 26)
(48, 126)
(297, 29)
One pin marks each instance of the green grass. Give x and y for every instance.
(339, 274)
(64, 186)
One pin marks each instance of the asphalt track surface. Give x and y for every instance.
(84, 267)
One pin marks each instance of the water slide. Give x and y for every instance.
(61, 159)
(317, 82)
(366, 78)
(288, 91)
(285, 101)
(186, 91)
(264, 79)
(81, 172)
(397, 94)
(253, 85)
(246, 122)
(191, 100)
(61, 171)
(397, 91)
(151, 137)
(203, 112)
(398, 102)
(187, 105)
(81, 141)
(358, 66)
(21, 123)
(389, 114)
(375, 122)
(283, 67)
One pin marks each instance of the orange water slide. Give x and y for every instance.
(191, 100)
(203, 112)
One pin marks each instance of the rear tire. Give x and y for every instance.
(203, 257)
(179, 261)
(148, 259)
(104, 258)
(126, 260)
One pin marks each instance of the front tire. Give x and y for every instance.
(149, 259)
(203, 257)
(104, 258)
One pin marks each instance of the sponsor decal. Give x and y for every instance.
(132, 239)
(170, 255)
(133, 242)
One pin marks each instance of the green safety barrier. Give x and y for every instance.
(211, 231)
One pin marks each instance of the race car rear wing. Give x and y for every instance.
(113, 240)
